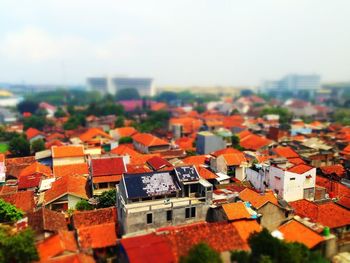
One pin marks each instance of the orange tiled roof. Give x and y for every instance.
(293, 231)
(185, 143)
(188, 124)
(337, 169)
(69, 258)
(47, 220)
(336, 189)
(23, 200)
(328, 214)
(220, 236)
(236, 211)
(74, 185)
(195, 160)
(36, 168)
(56, 245)
(256, 199)
(225, 151)
(148, 139)
(254, 142)
(126, 131)
(296, 161)
(246, 227)
(286, 152)
(97, 236)
(205, 173)
(137, 168)
(93, 133)
(94, 217)
(300, 168)
(67, 151)
(71, 169)
(32, 132)
(124, 150)
(234, 158)
(141, 159)
(156, 106)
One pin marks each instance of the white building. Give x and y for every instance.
(112, 85)
(290, 182)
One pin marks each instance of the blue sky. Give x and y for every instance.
(196, 42)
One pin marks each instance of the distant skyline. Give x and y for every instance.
(184, 43)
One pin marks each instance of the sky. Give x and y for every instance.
(179, 42)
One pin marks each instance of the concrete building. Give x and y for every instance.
(147, 201)
(208, 142)
(112, 85)
(294, 83)
(289, 182)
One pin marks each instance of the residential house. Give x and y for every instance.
(95, 137)
(30, 176)
(106, 172)
(251, 141)
(64, 193)
(70, 154)
(232, 164)
(122, 132)
(34, 134)
(22, 200)
(148, 143)
(273, 213)
(151, 200)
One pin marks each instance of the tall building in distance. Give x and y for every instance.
(111, 85)
(294, 83)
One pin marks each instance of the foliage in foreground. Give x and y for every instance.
(83, 205)
(9, 213)
(201, 253)
(17, 247)
(266, 248)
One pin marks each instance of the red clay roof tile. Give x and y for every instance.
(97, 236)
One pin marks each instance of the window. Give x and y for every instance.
(149, 218)
(193, 212)
(190, 212)
(103, 185)
(169, 215)
(187, 212)
(292, 179)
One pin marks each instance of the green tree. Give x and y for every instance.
(201, 253)
(74, 122)
(236, 142)
(17, 247)
(127, 94)
(266, 248)
(83, 205)
(37, 122)
(9, 213)
(200, 108)
(60, 113)
(107, 199)
(19, 147)
(38, 145)
(167, 96)
(283, 113)
(119, 122)
(27, 106)
(124, 140)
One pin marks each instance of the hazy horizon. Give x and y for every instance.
(178, 43)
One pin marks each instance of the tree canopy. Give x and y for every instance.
(19, 147)
(266, 248)
(127, 94)
(9, 213)
(28, 106)
(17, 247)
(38, 145)
(37, 122)
(201, 253)
(107, 199)
(83, 205)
